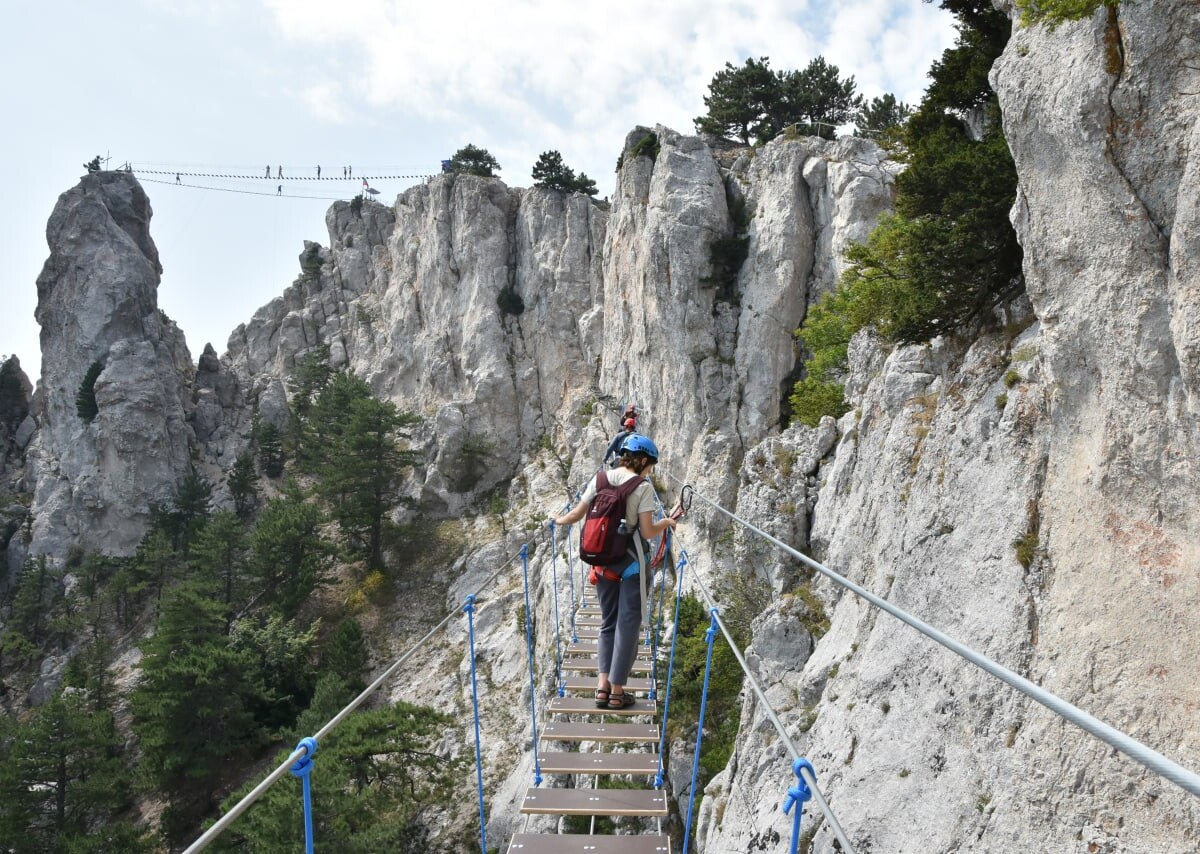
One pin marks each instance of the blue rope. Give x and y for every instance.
(558, 655)
(659, 779)
(469, 607)
(570, 574)
(303, 769)
(537, 768)
(798, 794)
(709, 636)
(657, 597)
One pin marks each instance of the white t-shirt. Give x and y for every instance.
(639, 501)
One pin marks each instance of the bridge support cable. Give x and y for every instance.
(660, 778)
(709, 636)
(810, 779)
(558, 647)
(469, 608)
(1183, 777)
(303, 770)
(533, 721)
(301, 750)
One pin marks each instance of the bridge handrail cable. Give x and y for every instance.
(1155, 761)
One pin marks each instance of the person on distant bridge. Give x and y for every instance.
(318, 171)
(280, 175)
(614, 447)
(619, 587)
(279, 190)
(268, 175)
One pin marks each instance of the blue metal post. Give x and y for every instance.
(469, 607)
(303, 769)
(537, 768)
(709, 636)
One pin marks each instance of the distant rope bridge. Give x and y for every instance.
(361, 183)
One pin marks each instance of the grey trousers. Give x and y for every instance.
(620, 627)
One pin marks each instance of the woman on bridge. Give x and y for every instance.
(619, 586)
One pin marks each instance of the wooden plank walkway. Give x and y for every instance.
(588, 724)
(587, 706)
(591, 762)
(579, 843)
(643, 802)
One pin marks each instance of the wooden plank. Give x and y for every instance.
(590, 647)
(647, 802)
(587, 632)
(588, 683)
(556, 762)
(579, 843)
(587, 706)
(621, 732)
(592, 664)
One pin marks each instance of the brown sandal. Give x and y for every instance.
(620, 701)
(602, 698)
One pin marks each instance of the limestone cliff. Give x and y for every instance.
(94, 478)
(1030, 494)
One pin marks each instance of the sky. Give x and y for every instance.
(384, 87)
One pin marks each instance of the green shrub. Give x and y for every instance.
(647, 146)
(85, 399)
(813, 398)
(510, 302)
(1055, 12)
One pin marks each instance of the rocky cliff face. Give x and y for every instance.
(94, 479)
(1029, 492)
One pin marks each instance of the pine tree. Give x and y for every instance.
(288, 555)
(376, 771)
(85, 399)
(474, 161)
(219, 555)
(741, 100)
(351, 444)
(880, 115)
(190, 706)
(243, 483)
(61, 775)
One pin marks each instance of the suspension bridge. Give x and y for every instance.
(632, 742)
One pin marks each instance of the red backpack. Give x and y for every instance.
(602, 543)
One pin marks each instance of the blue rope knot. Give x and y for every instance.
(469, 603)
(712, 626)
(683, 559)
(799, 792)
(304, 765)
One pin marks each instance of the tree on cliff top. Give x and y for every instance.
(551, 173)
(474, 161)
(754, 102)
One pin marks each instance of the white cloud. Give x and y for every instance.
(535, 74)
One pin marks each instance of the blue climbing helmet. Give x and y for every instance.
(636, 443)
